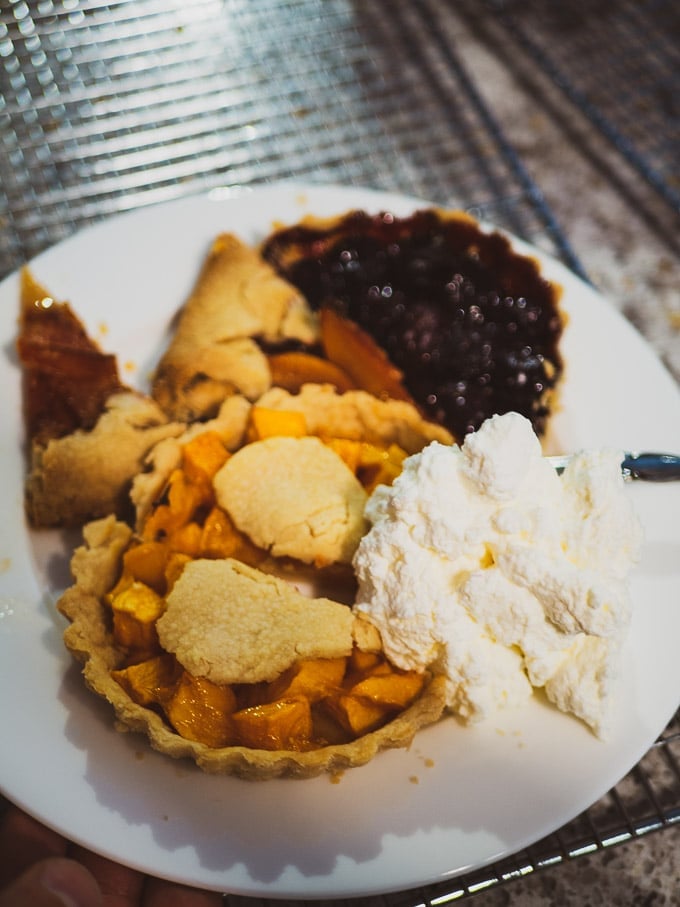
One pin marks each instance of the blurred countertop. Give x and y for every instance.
(627, 238)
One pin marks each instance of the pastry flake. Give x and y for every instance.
(87, 474)
(232, 623)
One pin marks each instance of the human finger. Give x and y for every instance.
(23, 842)
(55, 882)
(120, 885)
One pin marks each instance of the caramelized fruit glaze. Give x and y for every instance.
(67, 378)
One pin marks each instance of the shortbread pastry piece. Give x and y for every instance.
(294, 497)
(234, 624)
(237, 300)
(358, 415)
(88, 474)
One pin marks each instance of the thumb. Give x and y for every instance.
(55, 882)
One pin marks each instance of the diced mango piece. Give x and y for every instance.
(186, 539)
(203, 456)
(152, 681)
(282, 725)
(146, 562)
(381, 668)
(326, 729)
(157, 523)
(357, 716)
(174, 567)
(135, 612)
(292, 370)
(183, 498)
(200, 710)
(221, 538)
(348, 450)
(250, 694)
(312, 678)
(379, 466)
(371, 454)
(269, 423)
(362, 662)
(395, 690)
(124, 582)
(373, 465)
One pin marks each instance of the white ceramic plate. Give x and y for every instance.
(460, 797)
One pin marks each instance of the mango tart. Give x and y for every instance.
(191, 624)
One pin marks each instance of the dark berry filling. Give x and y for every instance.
(472, 325)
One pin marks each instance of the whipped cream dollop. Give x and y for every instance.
(484, 565)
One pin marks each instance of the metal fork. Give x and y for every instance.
(652, 467)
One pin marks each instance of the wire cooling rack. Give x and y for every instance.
(617, 61)
(106, 107)
(109, 106)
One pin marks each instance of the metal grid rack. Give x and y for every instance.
(109, 106)
(106, 107)
(617, 61)
(646, 800)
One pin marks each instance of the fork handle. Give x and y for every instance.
(652, 467)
